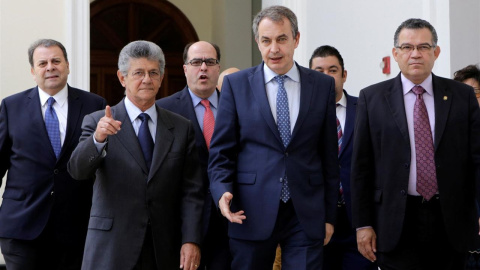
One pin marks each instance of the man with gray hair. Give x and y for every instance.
(416, 161)
(273, 163)
(44, 213)
(148, 191)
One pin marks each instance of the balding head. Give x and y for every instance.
(225, 72)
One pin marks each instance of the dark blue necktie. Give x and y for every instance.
(283, 123)
(53, 127)
(145, 139)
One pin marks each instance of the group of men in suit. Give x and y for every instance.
(273, 153)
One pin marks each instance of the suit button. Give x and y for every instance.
(339, 166)
(55, 171)
(403, 192)
(52, 193)
(286, 154)
(406, 165)
(281, 179)
(92, 158)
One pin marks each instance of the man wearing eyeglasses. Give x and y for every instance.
(273, 164)
(197, 102)
(148, 193)
(416, 164)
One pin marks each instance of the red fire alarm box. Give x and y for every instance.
(386, 65)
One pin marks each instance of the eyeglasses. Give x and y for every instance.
(196, 62)
(139, 75)
(407, 48)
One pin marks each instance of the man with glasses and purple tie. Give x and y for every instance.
(44, 213)
(273, 164)
(148, 193)
(416, 162)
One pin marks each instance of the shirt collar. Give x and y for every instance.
(293, 73)
(213, 98)
(133, 111)
(343, 100)
(427, 84)
(61, 97)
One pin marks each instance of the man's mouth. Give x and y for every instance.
(203, 77)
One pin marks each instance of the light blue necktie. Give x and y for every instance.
(145, 139)
(283, 123)
(53, 127)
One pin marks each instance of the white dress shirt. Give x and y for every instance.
(60, 106)
(292, 86)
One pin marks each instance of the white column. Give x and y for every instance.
(78, 42)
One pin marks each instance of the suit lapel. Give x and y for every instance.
(257, 84)
(395, 101)
(127, 136)
(36, 117)
(349, 121)
(73, 116)
(443, 100)
(306, 92)
(163, 141)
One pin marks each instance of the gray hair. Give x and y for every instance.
(140, 49)
(415, 24)
(45, 43)
(276, 14)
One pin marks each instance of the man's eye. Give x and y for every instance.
(406, 47)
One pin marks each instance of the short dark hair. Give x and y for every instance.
(324, 51)
(276, 14)
(45, 43)
(415, 24)
(468, 72)
(185, 51)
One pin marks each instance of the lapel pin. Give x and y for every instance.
(445, 97)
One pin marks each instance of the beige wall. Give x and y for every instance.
(21, 23)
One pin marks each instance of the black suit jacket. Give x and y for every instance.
(381, 160)
(38, 186)
(127, 196)
(181, 103)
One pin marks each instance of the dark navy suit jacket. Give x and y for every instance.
(248, 159)
(345, 156)
(38, 186)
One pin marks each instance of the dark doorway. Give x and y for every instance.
(115, 23)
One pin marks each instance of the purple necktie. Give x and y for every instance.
(426, 173)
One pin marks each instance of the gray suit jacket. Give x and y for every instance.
(126, 197)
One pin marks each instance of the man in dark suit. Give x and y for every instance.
(416, 162)
(273, 157)
(201, 65)
(148, 192)
(341, 252)
(44, 213)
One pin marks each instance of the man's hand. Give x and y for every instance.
(224, 205)
(189, 256)
(367, 243)
(106, 126)
(328, 233)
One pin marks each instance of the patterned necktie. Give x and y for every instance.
(283, 123)
(53, 127)
(145, 139)
(208, 122)
(341, 197)
(426, 173)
